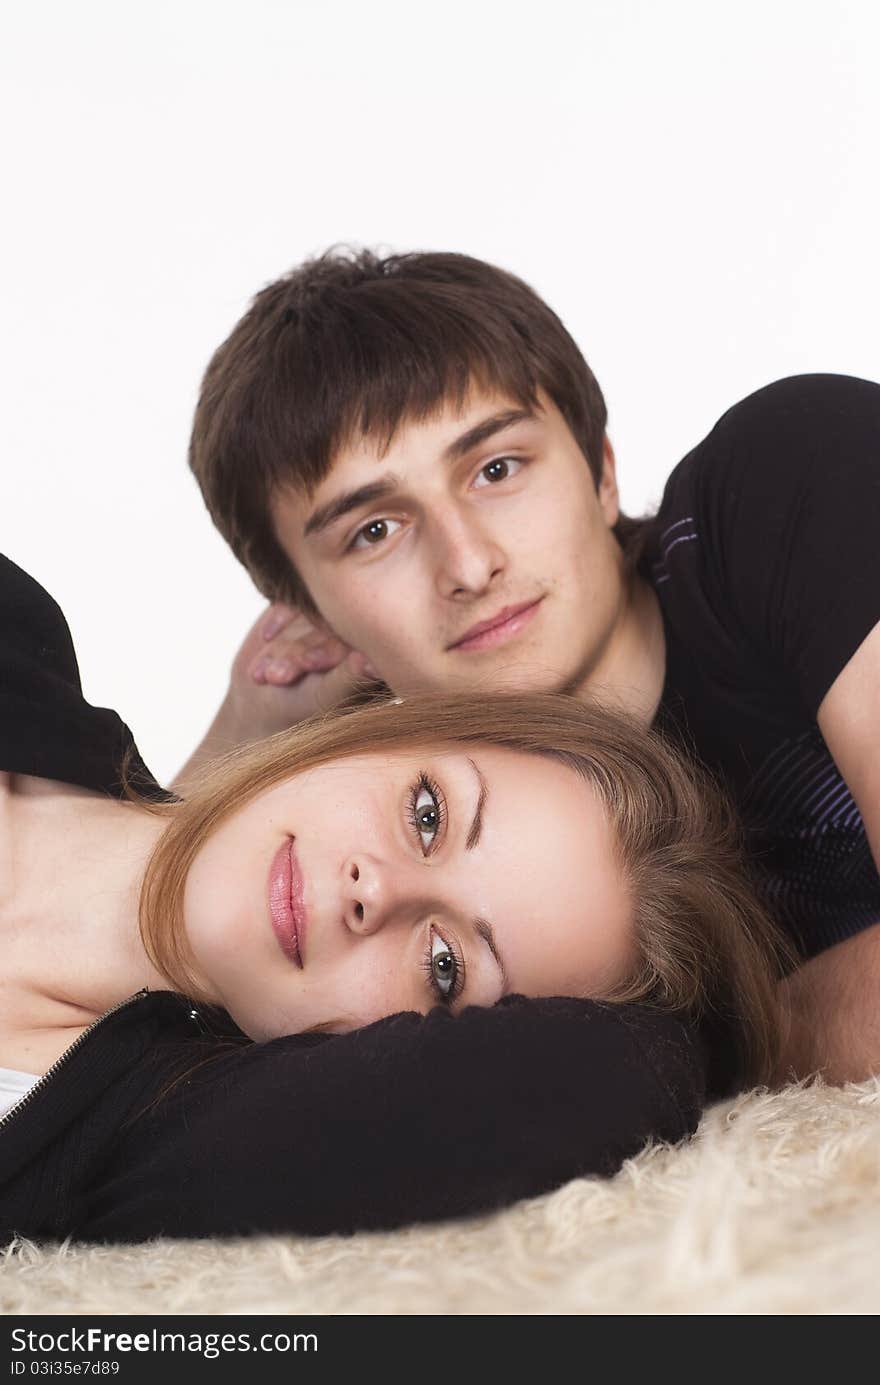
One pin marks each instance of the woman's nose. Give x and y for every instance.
(366, 894)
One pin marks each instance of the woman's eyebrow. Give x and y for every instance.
(483, 929)
(476, 826)
(481, 926)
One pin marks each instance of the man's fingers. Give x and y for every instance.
(278, 616)
(285, 669)
(282, 669)
(290, 660)
(336, 685)
(367, 670)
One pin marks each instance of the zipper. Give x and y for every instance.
(41, 1082)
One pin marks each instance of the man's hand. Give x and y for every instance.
(835, 997)
(286, 669)
(833, 1002)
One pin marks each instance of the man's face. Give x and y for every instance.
(476, 551)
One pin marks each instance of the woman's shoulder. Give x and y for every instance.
(47, 728)
(33, 628)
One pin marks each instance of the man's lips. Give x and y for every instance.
(287, 911)
(498, 628)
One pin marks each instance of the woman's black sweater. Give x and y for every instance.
(157, 1122)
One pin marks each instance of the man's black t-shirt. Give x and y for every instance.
(765, 556)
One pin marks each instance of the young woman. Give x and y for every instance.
(328, 990)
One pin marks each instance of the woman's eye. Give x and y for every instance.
(426, 809)
(427, 816)
(444, 969)
(499, 469)
(375, 532)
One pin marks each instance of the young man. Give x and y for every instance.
(409, 456)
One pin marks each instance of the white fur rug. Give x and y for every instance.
(772, 1208)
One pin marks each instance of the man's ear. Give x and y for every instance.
(609, 498)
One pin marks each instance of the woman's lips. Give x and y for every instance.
(503, 626)
(286, 907)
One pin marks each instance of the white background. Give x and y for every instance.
(693, 186)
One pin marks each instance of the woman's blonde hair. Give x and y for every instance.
(705, 947)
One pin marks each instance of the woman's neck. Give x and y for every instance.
(71, 866)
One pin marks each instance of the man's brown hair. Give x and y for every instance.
(353, 344)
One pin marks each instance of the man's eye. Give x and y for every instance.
(499, 469)
(375, 532)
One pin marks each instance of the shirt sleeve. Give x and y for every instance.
(414, 1118)
(787, 490)
(47, 728)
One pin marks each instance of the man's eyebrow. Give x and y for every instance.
(343, 504)
(483, 929)
(481, 432)
(476, 826)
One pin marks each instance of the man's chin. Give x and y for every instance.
(536, 676)
(532, 675)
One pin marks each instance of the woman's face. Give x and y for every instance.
(402, 881)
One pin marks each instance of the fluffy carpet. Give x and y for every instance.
(772, 1208)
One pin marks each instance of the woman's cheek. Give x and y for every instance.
(361, 994)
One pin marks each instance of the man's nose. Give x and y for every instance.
(468, 558)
